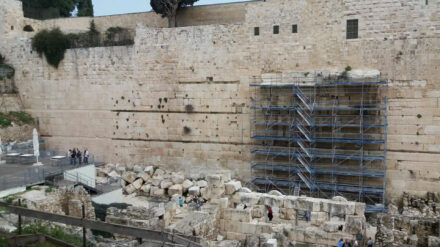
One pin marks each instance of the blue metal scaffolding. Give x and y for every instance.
(321, 136)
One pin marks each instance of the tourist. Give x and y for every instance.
(73, 156)
(86, 156)
(180, 201)
(370, 242)
(307, 215)
(347, 243)
(70, 156)
(270, 214)
(341, 243)
(78, 155)
(356, 244)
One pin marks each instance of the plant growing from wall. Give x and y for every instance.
(168, 8)
(53, 44)
(6, 70)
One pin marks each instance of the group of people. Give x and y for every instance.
(76, 155)
(341, 243)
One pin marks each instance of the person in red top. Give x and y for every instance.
(270, 214)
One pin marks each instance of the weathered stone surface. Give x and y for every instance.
(129, 189)
(354, 224)
(433, 241)
(129, 177)
(215, 180)
(258, 211)
(177, 178)
(138, 183)
(245, 190)
(231, 187)
(187, 184)
(138, 168)
(202, 183)
(159, 173)
(175, 189)
(113, 174)
(164, 184)
(413, 240)
(194, 191)
(144, 176)
(146, 188)
(318, 218)
(149, 170)
(275, 193)
(287, 214)
(270, 243)
(155, 191)
(209, 192)
(332, 226)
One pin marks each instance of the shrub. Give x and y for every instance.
(53, 44)
(4, 121)
(22, 117)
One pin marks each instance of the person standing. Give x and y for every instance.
(180, 200)
(86, 156)
(73, 156)
(270, 214)
(79, 156)
(370, 242)
(70, 156)
(356, 244)
(341, 243)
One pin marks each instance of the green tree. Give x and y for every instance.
(168, 8)
(47, 9)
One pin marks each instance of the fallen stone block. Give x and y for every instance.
(215, 180)
(129, 177)
(270, 243)
(129, 189)
(209, 193)
(175, 189)
(164, 184)
(146, 188)
(138, 168)
(144, 176)
(158, 192)
(149, 170)
(114, 174)
(138, 183)
(186, 185)
(159, 173)
(194, 191)
(202, 183)
(231, 187)
(271, 200)
(177, 178)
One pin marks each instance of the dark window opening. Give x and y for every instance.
(276, 29)
(294, 28)
(12, 27)
(28, 28)
(352, 29)
(256, 31)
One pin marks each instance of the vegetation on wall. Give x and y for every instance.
(19, 118)
(118, 36)
(6, 70)
(53, 44)
(168, 8)
(49, 9)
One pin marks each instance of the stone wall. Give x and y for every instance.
(130, 104)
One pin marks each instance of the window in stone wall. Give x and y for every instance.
(352, 29)
(295, 28)
(256, 31)
(276, 29)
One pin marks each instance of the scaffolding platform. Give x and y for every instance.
(326, 136)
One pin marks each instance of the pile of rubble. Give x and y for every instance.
(232, 215)
(155, 182)
(415, 222)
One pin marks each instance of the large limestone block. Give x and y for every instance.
(177, 178)
(275, 193)
(164, 184)
(313, 234)
(287, 213)
(289, 201)
(354, 224)
(158, 192)
(249, 198)
(270, 200)
(240, 215)
(194, 191)
(175, 189)
(231, 187)
(149, 170)
(129, 177)
(308, 203)
(338, 209)
(318, 218)
(209, 192)
(359, 208)
(221, 202)
(187, 184)
(245, 190)
(202, 183)
(146, 188)
(332, 226)
(114, 174)
(215, 180)
(257, 211)
(120, 169)
(270, 243)
(138, 183)
(155, 181)
(144, 176)
(129, 189)
(138, 168)
(159, 173)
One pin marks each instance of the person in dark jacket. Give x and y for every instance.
(73, 156)
(79, 156)
(270, 214)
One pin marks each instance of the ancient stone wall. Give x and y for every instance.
(132, 104)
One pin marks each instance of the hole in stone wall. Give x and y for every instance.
(186, 130)
(189, 108)
(256, 31)
(276, 29)
(28, 28)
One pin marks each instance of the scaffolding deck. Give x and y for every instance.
(324, 140)
(366, 172)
